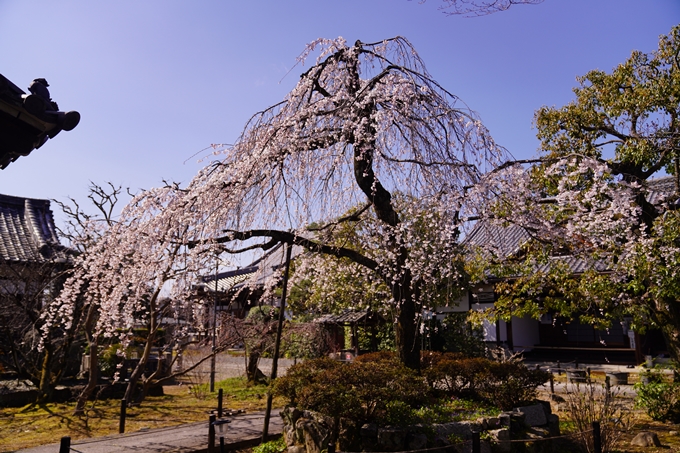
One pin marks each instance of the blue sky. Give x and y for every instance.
(157, 81)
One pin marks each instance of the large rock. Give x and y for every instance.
(416, 441)
(646, 439)
(391, 439)
(501, 439)
(369, 437)
(463, 430)
(349, 435)
(554, 425)
(534, 415)
(315, 432)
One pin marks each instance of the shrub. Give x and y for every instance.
(361, 390)
(398, 413)
(505, 384)
(379, 356)
(660, 399)
(109, 360)
(302, 375)
(510, 384)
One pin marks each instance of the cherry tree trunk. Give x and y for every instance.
(45, 388)
(139, 370)
(92, 379)
(670, 328)
(406, 334)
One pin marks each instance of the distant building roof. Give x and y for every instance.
(660, 189)
(27, 231)
(505, 240)
(255, 274)
(348, 317)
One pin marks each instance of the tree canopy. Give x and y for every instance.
(364, 122)
(599, 196)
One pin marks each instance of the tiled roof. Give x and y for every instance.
(27, 231)
(505, 240)
(255, 274)
(660, 189)
(349, 317)
(227, 280)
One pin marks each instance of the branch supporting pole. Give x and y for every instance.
(277, 345)
(123, 414)
(65, 445)
(214, 330)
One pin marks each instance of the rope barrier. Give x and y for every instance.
(448, 447)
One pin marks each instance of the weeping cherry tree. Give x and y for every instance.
(365, 122)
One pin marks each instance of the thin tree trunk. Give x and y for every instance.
(45, 389)
(92, 380)
(139, 370)
(670, 327)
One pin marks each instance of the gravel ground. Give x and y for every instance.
(228, 365)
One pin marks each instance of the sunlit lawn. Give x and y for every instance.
(34, 425)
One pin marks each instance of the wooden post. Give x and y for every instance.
(121, 424)
(222, 450)
(476, 443)
(597, 438)
(220, 396)
(65, 445)
(552, 384)
(211, 434)
(608, 385)
(277, 344)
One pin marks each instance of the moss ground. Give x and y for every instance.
(34, 425)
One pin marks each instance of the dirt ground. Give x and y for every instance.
(633, 421)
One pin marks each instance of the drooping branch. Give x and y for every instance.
(476, 8)
(309, 244)
(352, 217)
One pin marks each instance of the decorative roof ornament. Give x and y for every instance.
(28, 120)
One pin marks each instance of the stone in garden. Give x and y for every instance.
(391, 439)
(553, 425)
(502, 439)
(289, 435)
(416, 441)
(316, 435)
(296, 449)
(349, 437)
(493, 423)
(290, 415)
(517, 422)
(646, 439)
(462, 430)
(504, 418)
(534, 415)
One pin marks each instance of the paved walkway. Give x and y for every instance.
(245, 430)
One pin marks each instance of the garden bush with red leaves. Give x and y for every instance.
(505, 384)
(360, 390)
